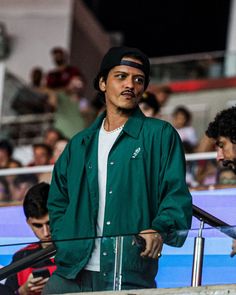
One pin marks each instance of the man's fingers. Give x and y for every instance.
(153, 248)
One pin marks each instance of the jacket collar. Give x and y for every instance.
(132, 126)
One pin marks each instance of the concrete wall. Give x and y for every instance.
(89, 43)
(34, 28)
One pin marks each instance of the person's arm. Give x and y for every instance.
(205, 144)
(174, 215)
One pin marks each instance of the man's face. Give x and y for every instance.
(226, 152)
(124, 87)
(41, 156)
(40, 227)
(51, 138)
(179, 120)
(59, 58)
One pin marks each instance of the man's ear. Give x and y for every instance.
(102, 84)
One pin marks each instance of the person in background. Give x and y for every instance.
(162, 93)
(59, 148)
(42, 154)
(10, 178)
(223, 131)
(205, 144)
(181, 120)
(226, 176)
(14, 163)
(37, 84)
(69, 117)
(21, 184)
(4, 190)
(6, 151)
(51, 136)
(36, 213)
(124, 174)
(149, 105)
(60, 77)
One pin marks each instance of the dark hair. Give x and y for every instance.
(98, 102)
(54, 130)
(58, 49)
(7, 146)
(185, 112)
(224, 125)
(188, 147)
(17, 162)
(35, 201)
(150, 99)
(36, 76)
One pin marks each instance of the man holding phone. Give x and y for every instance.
(32, 280)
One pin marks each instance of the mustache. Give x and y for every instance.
(128, 91)
(230, 164)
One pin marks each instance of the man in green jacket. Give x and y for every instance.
(124, 175)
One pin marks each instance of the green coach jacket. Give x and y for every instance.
(145, 189)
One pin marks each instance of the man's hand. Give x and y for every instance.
(154, 243)
(32, 285)
(233, 252)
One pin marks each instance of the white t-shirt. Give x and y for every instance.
(188, 133)
(105, 142)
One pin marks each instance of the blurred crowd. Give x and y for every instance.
(61, 91)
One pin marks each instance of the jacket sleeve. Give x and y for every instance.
(58, 194)
(175, 206)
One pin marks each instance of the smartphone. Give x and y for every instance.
(41, 272)
(140, 242)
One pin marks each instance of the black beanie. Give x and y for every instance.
(113, 58)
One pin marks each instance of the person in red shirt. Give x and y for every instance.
(61, 76)
(36, 213)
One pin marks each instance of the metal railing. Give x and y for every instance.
(207, 65)
(198, 252)
(49, 168)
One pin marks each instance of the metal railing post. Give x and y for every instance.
(118, 263)
(198, 258)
